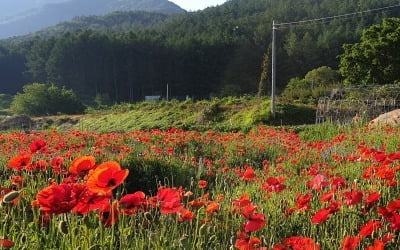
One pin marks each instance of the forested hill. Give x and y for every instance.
(118, 21)
(217, 51)
(57, 11)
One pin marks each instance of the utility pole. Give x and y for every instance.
(273, 80)
(167, 93)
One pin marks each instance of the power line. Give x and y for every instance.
(304, 22)
(336, 17)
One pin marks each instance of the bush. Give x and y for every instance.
(46, 99)
(317, 83)
(148, 174)
(297, 89)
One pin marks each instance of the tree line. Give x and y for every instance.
(217, 51)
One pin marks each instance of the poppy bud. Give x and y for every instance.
(23, 238)
(6, 243)
(148, 216)
(63, 227)
(9, 197)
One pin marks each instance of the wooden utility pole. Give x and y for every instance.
(273, 76)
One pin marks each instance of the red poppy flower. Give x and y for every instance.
(289, 211)
(369, 228)
(170, 200)
(373, 198)
(301, 243)
(350, 243)
(387, 237)
(353, 197)
(202, 184)
(17, 181)
(57, 162)
(185, 215)
(81, 165)
(130, 203)
(105, 177)
(395, 221)
(327, 196)
(382, 211)
(393, 206)
(37, 145)
(246, 243)
(317, 183)
(89, 201)
(334, 206)
(320, 216)
(212, 207)
(279, 247)
(57, 199)
(20, 161)
(338, 183)
(385, 172)
(273, 184)
(249, 174)
(254, 221)
(303, 202)
(243, 201)
(380, 156)
(378, 245)
(6, 243)
(109, 214)
(196, 203)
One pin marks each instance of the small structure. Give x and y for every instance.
(19, 122)
(358, 103)
(152, 98)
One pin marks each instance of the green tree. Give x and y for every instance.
(317, 82)
(45, 99)
(375, 59)
(262, 85)
(37, 58)
(322, 76)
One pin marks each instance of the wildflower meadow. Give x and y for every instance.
(268, 188)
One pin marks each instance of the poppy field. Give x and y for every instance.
(269, 188)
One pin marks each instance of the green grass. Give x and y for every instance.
(225, 114)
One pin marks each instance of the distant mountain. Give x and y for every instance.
(45, 13)
(11, 9)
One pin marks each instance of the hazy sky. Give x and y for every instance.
(197, 4)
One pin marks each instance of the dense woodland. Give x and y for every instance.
(44, 13)
(216, 51)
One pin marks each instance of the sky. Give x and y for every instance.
(192, 5)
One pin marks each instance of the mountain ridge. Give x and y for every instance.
(56, 12)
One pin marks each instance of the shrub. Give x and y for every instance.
(148, 174)
(316, 83)
(46, 99)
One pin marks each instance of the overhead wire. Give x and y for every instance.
(328, 19)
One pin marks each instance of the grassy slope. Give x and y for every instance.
(220, 114)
